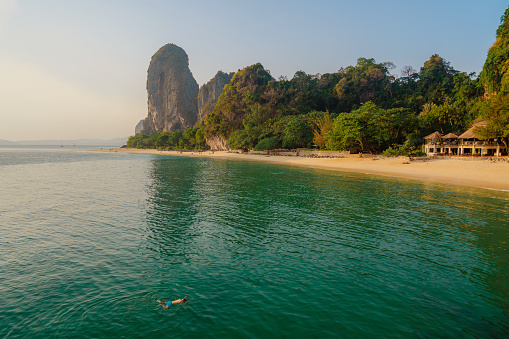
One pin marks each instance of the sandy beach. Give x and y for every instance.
(465, 172)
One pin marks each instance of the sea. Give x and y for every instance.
(89, 241)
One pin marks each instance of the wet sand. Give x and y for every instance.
(455, 171)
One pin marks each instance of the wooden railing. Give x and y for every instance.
(465, 143)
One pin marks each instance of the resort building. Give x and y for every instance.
(467, 143)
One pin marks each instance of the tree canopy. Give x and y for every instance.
(362, 106)
(495, 73)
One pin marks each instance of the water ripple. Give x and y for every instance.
(91, 241)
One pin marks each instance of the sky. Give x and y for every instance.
(72, 69)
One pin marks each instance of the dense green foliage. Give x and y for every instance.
(371, 128)
(495, 73)
(361, 107)
(238, 99)
(267, 143)
(191, 138)
(495, 78)
(254, 106)
(497, 114)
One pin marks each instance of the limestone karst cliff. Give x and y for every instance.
(139, 128)
(210, 92)
(172, 91)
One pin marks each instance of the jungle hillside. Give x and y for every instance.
(363, 107)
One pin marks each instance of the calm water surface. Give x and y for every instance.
(89, 241)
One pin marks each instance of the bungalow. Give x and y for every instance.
(433, 143)
(468, 143)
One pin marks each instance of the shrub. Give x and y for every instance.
(403, 151)
(391, 152)
(298, 133)
(267, 143)
(238, 139)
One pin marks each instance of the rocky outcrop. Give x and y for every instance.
(217, 143)
(210, 92)
(172, 91)
(139, 128)
(237, 100)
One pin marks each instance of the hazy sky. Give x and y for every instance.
(74, 69)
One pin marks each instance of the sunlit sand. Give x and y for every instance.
(465, 172)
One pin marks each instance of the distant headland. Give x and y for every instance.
(67, 142)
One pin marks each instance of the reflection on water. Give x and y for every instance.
(330, 249)
(89, 241)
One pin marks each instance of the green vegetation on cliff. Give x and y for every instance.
(191, 138)
(495, 73)
(366, 107)
(358, 107)
(237, 100)
(495, 78)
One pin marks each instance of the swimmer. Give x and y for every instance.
(169, 303)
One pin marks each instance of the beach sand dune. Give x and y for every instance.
(465, 172)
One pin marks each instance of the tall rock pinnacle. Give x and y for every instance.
(172, 91)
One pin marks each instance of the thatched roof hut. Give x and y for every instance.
(434, 135)
(450, 136)
(469, 134)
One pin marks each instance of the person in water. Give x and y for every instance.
(169, 303)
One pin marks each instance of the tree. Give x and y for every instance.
(174, 137)
(447, 117)
(354, 130)
(238, 139)
(244, 90)
(322, 127)
(200, 138)
(498, 120)
(495, 73)
(407, 71)
(267, 144)
(132, 142)
(436, 79)
(370, 128)
(162, 140)
(298, 133)
(367, 81)
(467, 87)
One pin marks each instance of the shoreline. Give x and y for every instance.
(476, 173)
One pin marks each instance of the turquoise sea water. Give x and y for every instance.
(89, 241)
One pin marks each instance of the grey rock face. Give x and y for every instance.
(139, 128)
(210, 92)
(218, 143)
(172, 91)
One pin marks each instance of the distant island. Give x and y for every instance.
(361, 108)
(72, 142)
